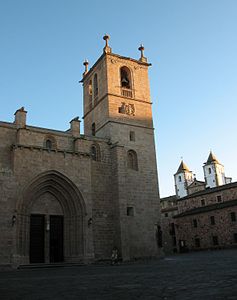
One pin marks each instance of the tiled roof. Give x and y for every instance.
(182, 167)
(173, 197)
(212, 158)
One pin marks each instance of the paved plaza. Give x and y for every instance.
(202, 275)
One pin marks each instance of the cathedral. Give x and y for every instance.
(72, 197)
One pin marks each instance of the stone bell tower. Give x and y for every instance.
(117, 106)
(116, 92)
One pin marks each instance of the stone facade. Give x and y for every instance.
(205, 217)
(169, 208)
(208, 219)
(84, 193)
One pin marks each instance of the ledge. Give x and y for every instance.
(17, 146)
(199, 210)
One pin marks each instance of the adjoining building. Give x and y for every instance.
(202, 214)
(67, 196)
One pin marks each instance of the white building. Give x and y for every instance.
(186, 183)
(214, 172)
(183, 178)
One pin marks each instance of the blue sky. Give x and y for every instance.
(192, 46)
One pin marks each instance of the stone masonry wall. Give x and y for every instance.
(224, 229)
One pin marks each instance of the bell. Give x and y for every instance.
(124, 80)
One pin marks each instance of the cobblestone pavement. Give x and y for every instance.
(201, 275)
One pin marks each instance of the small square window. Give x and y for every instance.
(166, 215)
(130, 211)
(233, 216)
(197, 243)
(132, 136)
(215, 240)
(212, 219)
(219, 198)
(235, 237)
(194, 223)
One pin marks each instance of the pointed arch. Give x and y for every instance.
(73, 207)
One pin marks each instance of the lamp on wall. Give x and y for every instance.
(13, 220)
(47, 225)
(89, 222)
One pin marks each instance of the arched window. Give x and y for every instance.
(125, 78)
(95, 86)
(132, 160)
(50, 143)
(95, 152)
(126, 82)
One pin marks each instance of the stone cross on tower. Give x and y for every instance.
(142, 58)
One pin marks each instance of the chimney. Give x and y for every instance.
(20, 118)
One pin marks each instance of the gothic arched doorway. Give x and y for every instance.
(50, 219)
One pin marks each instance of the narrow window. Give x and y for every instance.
(166, 215)
(172, 229)
(48, 144)
(219, 198)
(95, 87)
(93, 129)
(203, 202)
(132, 136)
(209, 170)
(130, 211)
(233, 216)
(212, 220)
(215, 240)
(195, 223)
(90, 94)
(197, 243)
(235, 237)
(132, 160)
(174, 241)
(95, 152)
(180, 179)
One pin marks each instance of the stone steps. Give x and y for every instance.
(50, 265)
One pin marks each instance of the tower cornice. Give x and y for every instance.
(115, 56)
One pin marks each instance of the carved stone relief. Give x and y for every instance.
(127, 109)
